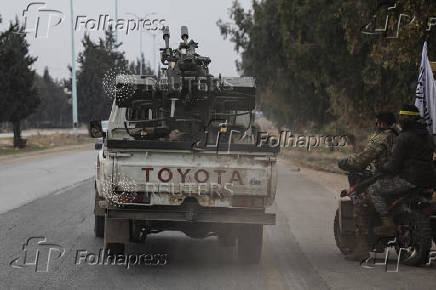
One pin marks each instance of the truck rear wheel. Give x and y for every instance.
(99, 226)
(98, 219)
(114, 249)
(250, 242)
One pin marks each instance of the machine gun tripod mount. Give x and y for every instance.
(184, 96)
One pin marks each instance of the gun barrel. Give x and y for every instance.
(166, 36)
(184, 33)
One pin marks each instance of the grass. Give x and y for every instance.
(42, 142)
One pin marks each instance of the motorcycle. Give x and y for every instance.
(413, 215)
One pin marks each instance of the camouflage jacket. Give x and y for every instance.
(376, 153)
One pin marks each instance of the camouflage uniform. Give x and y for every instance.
(410, 165)
(385, 188)
(375, 154)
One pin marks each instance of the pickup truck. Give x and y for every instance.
(180, 154)
(144, 187)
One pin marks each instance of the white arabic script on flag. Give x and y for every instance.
(426, 93)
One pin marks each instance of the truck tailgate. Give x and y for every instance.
(205, 174)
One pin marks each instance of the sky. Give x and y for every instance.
(52, 46)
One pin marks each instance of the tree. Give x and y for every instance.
(96, 61)
(388, 70)
(282, 49)
(134, 66)
(54, 109)
(314, 66)
(18, 95)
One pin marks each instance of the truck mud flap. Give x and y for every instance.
(186, 214)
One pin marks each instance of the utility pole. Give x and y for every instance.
(154, 55)
(141, 46)
(73, 72)
(141, 52)
(116, 21)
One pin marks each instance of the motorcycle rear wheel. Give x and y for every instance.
(345, 241)
(433, 228)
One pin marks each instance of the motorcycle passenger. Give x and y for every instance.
(375, 154)
(409, 166)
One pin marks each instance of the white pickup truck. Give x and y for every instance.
(148, 186)
(180, 153)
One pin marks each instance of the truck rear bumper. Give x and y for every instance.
(195, 214)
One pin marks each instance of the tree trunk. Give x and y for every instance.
(18, 142)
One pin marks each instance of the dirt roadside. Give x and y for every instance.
(42, 143)
(333, 182)
(11, 158)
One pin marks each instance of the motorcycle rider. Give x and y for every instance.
(374, 155)
(409, 166)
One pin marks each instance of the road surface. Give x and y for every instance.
(298, 253)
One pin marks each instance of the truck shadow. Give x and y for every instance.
(183, 251)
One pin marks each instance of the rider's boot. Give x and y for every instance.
(361, 251)
(386, 228)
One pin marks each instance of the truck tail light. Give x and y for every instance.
(137, 197)
(248, 201)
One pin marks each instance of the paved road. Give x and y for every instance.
(25, 178)
(299, 252)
